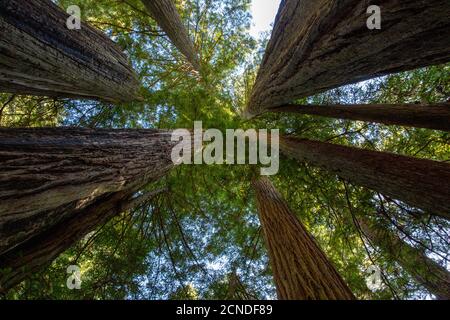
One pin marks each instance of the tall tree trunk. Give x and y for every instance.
(38, 253)
(431, 116)
(424, 270)
(238, 290)
(322, 44)
(40, 55)
(300, 268)
(424, 184)
(47, 173)
(166, 15)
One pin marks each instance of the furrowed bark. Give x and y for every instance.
(40, 55)
(48, 173)
(430, 116)
(317, 45)
(435, 278)
(38, 253)
(424, 184)
(166, 15)
(300, 268)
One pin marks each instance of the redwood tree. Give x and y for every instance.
(421, 183)
(431, 116)
(40, 55)
(39, 252)
(322, 44)
(300, 268)
(48, 173)
(166, 15)
(424, 270)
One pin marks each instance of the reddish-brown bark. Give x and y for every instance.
(39, 55)
(47, 173)
(424, 184)
(39, 252)
(322, 44)
(430, 116)
(300, 268)
(166, 15)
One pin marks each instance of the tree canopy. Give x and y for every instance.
(200, 237)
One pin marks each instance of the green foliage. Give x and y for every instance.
(196, 239)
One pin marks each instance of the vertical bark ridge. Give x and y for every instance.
(39, 55)
(40, 251)
(300, 268)
(166, 15)
(431, 116)
(424, 184)
(47, 173)
(318, 45)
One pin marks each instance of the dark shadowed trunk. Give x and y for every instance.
(321, 44)
(425, 271)
(47, 173)
(40, 55)
(431, 116)
(38, 253)
(424, 184)
(166, 15)
(237, 290)
(300, 268)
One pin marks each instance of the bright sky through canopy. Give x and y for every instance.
(263, 12)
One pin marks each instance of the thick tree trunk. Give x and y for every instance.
(166, 15)
(39, 252)
(40, 55)
(424, 184)
(47, 173)
(322, 44)
(431, 116)
(424, 270)
(300, 268)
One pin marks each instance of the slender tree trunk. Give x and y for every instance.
(47, 173)
(166, 15)
(38, 253)
(301, 269)
(40, 55)
(322, 44)
(424, 270)
(431, 116)
(424, 184)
